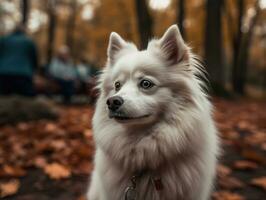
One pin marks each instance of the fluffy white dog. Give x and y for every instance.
(153, 127)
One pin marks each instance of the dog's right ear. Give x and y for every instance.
(116, 44)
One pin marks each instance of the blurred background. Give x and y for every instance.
(51, 52)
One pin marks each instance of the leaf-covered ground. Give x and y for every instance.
(51, 160)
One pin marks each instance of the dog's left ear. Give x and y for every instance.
(172, 46)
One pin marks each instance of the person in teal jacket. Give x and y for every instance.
(18, 61)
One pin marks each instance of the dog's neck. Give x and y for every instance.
(131, 191)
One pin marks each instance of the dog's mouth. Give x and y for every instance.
(123, 117)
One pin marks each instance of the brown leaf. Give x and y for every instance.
(57, 171)
(50, 127)
(40, 162)
(225, 195)
(84, 167)
(9, 188)
(223, 170)
(254, 155)
(58, 144)
(82, 198)
(88, 133)
(243, 124)
(23, 126)
(245, 165)
(230, 183)
(263, 146)
(259, 182)
(12, 171)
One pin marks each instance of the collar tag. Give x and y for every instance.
(130, 193)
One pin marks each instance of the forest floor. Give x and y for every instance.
(51, 160)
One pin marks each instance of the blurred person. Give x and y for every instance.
(63, 72)
(83, 71)
(86, 71)
(87, 78)
(18, 61)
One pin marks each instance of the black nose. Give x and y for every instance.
(114, 103)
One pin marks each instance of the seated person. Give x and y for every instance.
(63, 72)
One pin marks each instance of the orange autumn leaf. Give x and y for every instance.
(40, 162)
(12, 171)
(259, 182)
(243, 124)
(230, 183)
(245, 165)
(225, 195)
(51, 127)
(58, 144)
(9, 188)
(254, 155)
(88, 133)
(223, 170)
(57, 171)
(263, 146)
(81, 198)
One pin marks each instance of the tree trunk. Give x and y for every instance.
(25, 5)
(145, 22)
(213, 44)
(243, 57)
(51, 29)
(70, 29)
(236, 47)
(181, 16)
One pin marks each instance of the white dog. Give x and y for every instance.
(153, 127)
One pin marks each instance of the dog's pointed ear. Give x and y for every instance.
(173, 46)
(116, 44)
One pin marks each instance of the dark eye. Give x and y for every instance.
(146, 84)
(117, 86)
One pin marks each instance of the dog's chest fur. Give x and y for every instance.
(185, 163)
(177, 181)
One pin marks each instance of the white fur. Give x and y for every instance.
(178, 141)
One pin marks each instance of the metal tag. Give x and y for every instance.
(130, 193)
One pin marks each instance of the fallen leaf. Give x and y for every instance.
(84, 167)
(57, 171)
(9, 188)
(259, 182)
(12, 171)
(23, 126)
(243, 124)
(230, 183)
(254, 155)
(82, 198)
(88, 133)
(58, 144)
(50, 127)
(223, 170)
(245, 165)
(263, 146)
(225, 195)
(40, 162)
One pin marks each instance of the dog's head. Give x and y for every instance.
(139, 87)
